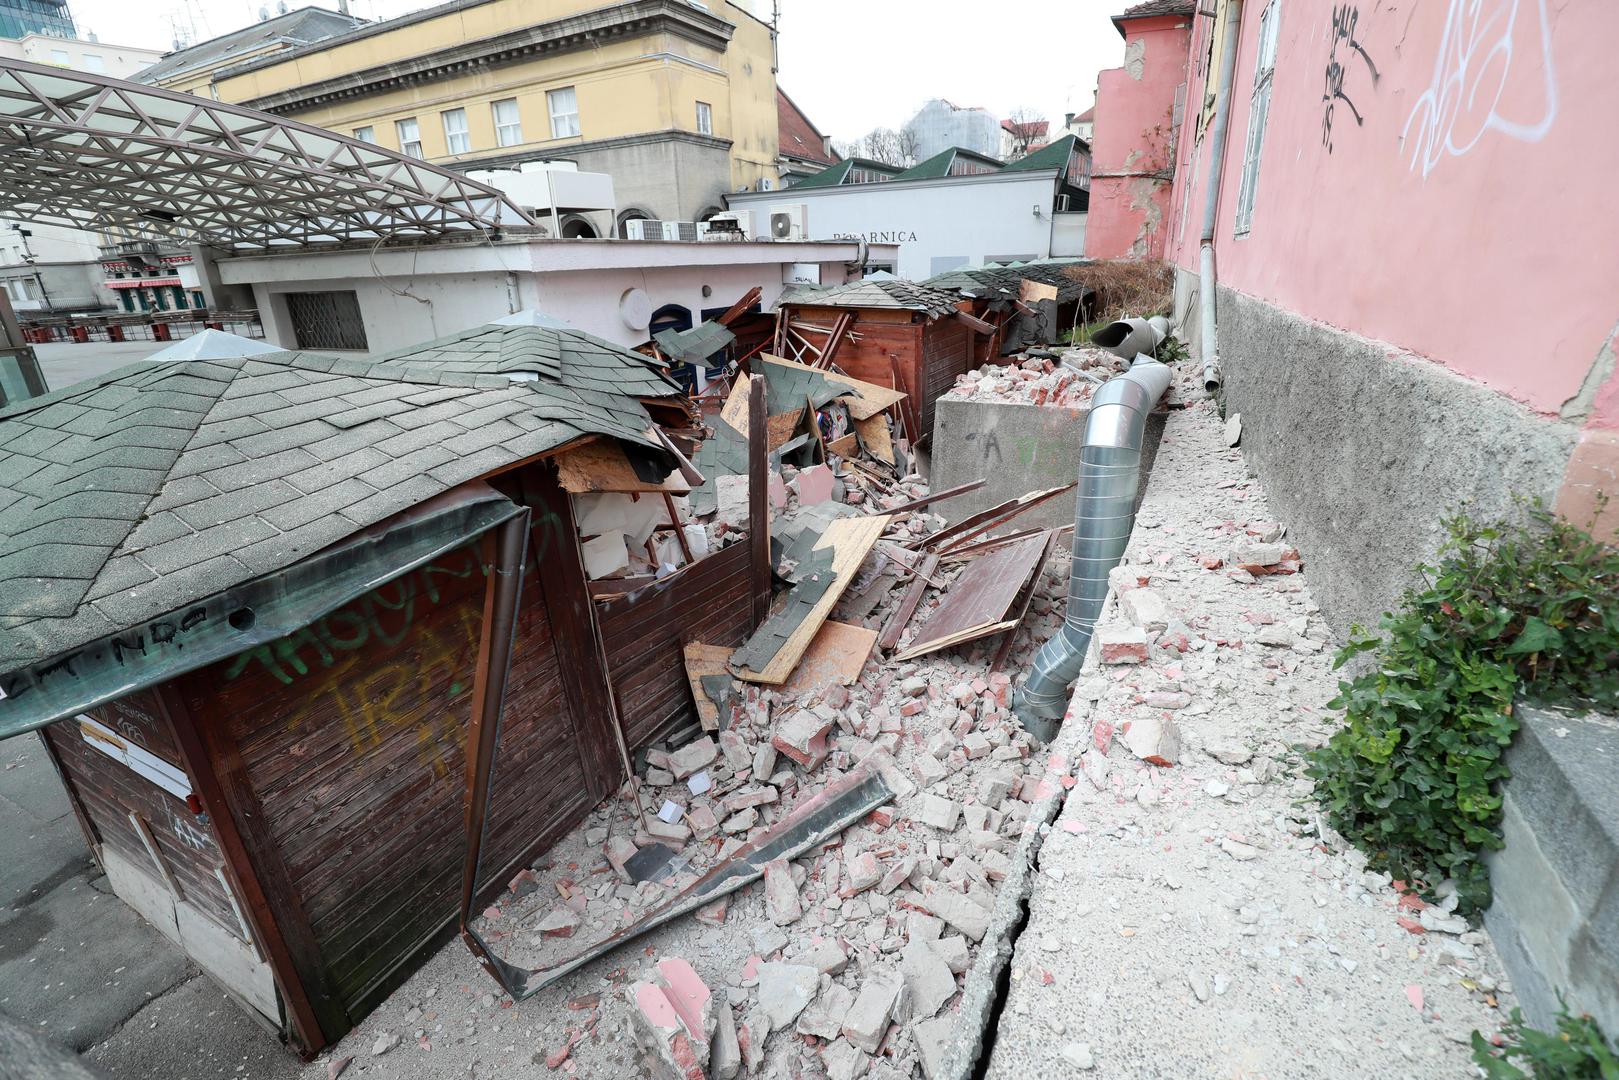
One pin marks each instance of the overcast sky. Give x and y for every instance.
(852, 65)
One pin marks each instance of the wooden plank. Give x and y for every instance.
(571, 614)
(1020, 604)
(759, 502)
(835, 656)
(705, 660)
(984, 520)
(976, 325)
(935, 496)
(976, 605)
(740, 308)
(850, 541)
(907, 605)
(600, 466)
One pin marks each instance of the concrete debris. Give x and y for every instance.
(1145, 608)
(672, 1020)
(928, 979)
(802, 737)
(784, 991)
(1154, 739)
(1122, 645)
(1034, 382)
(692, 757)
(882, 999)
(781, 893)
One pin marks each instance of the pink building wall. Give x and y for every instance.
(1468, 216)
(1134, 136)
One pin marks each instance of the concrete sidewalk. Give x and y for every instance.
(1199, 920)
(77, 965)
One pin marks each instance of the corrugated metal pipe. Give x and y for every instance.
(1130, 338)
(1104, 513)
(1208, 338)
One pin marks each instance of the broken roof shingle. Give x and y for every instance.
(876, 293)
(557, 355)
(158, 485)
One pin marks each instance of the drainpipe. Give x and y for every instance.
(1211, 201)
(1104, 513)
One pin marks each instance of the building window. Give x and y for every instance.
(197, 300)
(508, 128)
(705, 118)
(326, 320)
(410, 137)
(367, 134)
(1258, 110)
(129, 301)
(456, 139)
(93, 63)
(564, 106)
(59, 56)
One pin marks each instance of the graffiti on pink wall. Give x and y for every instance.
(1345, 17)
(1473, 76)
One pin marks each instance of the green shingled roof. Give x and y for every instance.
(838, 173)
(127, 497)
(940, 164)
(1052, 156)
(557, 354)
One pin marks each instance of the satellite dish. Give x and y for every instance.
(264, 14)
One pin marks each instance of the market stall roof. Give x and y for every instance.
(93, 152)
(211, 344)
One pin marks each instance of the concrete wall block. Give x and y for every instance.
(1362, 447)
(1017, 448)
(1555, 915)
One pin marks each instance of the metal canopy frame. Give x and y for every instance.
(105, 154)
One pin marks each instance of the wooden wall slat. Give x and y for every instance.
(644, 637)
(353, 732)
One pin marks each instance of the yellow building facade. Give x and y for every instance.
(675, 100)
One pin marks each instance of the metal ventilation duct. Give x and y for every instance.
(1105, 512)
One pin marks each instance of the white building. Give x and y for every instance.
(50, 268)
(94, 57)
(357, 298)
(947, 212)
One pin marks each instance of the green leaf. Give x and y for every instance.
(1537, 636)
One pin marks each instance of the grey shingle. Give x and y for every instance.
(154, 487)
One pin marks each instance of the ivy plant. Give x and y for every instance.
(1413, 777)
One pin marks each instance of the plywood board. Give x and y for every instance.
(977, 604)
(835, 656)
(847, 446)
(875, 437)
(705, 660)
(850, 540)
(1032, 292)
(600, 466)
(874, 397)
(735, 411)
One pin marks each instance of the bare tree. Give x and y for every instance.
(1026, 127)
(882, 144)
(910, 144)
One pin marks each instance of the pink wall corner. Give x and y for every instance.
(1134, 136)
(1465, 217)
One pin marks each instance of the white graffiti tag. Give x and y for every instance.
(1472, 73)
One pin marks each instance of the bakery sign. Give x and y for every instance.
(881, 236)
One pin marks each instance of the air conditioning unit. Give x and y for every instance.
(643, 229)
(789, 222)
(1062, 204)
(766, 184)
(743, 219)
(680, 230)
(720, 227)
